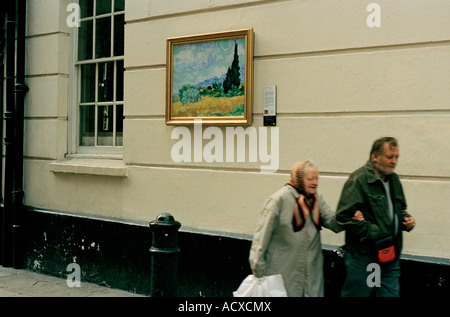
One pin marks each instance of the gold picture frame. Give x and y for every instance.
(210, 77)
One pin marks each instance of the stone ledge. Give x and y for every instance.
(103, 167)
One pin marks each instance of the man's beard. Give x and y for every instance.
(382, 170)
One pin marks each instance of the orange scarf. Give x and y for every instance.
(301, 212)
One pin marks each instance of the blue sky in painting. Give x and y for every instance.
(198, 62)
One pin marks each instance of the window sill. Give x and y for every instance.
(86, 166)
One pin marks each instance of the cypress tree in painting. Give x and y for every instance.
(233, 74)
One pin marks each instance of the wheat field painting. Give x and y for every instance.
(208, 79)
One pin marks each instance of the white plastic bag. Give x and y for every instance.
(266, 286)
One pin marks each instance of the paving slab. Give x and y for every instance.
(24, 283)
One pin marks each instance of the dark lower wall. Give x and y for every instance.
(117, 255)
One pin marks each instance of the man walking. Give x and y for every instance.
(375, 235)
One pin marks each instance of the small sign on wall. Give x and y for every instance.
(270, 105)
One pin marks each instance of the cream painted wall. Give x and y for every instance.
(340, 85)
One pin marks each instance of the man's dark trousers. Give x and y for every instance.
(357, 284)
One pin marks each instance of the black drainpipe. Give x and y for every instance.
(13, 192)
(20, 89)
(2, 78)
(8, 210)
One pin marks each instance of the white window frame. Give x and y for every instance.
(74, 147)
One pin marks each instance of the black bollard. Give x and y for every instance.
(164, 253)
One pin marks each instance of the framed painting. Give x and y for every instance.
(210, 77)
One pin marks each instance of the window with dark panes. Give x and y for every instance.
(100, 71)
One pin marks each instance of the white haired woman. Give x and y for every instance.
(287, 237)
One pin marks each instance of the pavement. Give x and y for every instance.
(24, 283)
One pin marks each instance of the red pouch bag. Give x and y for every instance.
(385, 250)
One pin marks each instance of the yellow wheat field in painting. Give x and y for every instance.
(207, 106)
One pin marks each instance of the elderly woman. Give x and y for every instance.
(287, 237)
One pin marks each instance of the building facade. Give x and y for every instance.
(98, 161)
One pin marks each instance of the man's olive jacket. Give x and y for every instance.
(364, 191)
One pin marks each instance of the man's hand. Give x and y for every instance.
(358, 216)
(409, 223)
